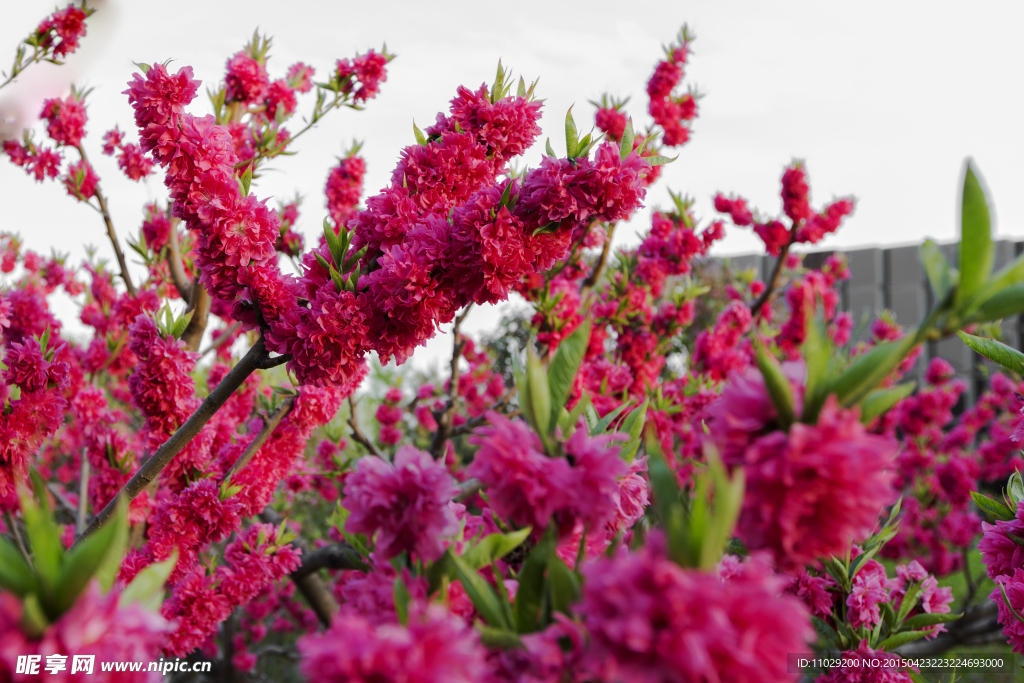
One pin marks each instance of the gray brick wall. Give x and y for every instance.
(894, 279)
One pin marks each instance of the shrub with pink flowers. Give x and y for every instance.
(659, 469)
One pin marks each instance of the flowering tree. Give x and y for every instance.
(678, 474)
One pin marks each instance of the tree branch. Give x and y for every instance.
(221, 340)
(602, 261)
(83, 495)
(199, 305)
(309, 584)
(12, 525)
(334, 556)
(257, 357)
(357, 434)
(774, 279)
(444, 425)
(268, 428)
(468, 489)
(178, 276)
(122, 264)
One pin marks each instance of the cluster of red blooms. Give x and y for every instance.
(673, 114)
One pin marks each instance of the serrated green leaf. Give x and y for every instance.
(333, 245)
(777, 384)
(869, 369)
(923, 620)
(565, 585)
(1007, 277)
(547, 148)
(880, 401)
(902, 638)
(521, 90)
(976, 248)
(43, 540)
(824, 631)
(499, 84)
(421, 139)
(564, 366)
(437, 571)
(909, 602)
(246, 180)
(339, 281)
(493, 547)
(15, 574)
(81, 563)
(626, 146)
(499, 638)
(992, 507)
(602, 425)
(33, 618)
(532, 585)
(1005, 303)
(658, 160)
(633, 425)
(481, 594)
(109, 566)
(147, 586)
(181, 324)
(942, 276)
(888, 615)
(572, 140)
(996, 351)
(401, 598)
(540, 395)
(818, 352)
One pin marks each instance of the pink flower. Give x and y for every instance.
(1002, 556)
(813, 491)
(856, 668)
(80, 180)
(611, 122)
(813, 591)
(795, 194)
(197, 607)
(596, 471)
(652, 621)
(133, 163)
(344, 188)
(300, 77)
(68, 25)
(406, 504)
(435, 647)
(246, 79)
(524, 485)
(65, 120)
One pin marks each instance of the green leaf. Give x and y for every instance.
(109, 566)
(565, 585)
(573, 418)
(824, 631)
(499, 84)
(658, 160)
(728, 502)
(521, 90)
(421, 139)
(818, 353)
(923, 620)
(976, 248)
(246, 180)
(777, 384)
(572, 139)
(500, 638)
(339, 281)
(33, 619)
(180, 325)
(147, 586)
(333, 244)
(43, 540)
(941, 275)
(602, 425)
(992, 507)
(82, 562)
(626, 146)
(539, 395)
(547, 148)
(996, 351)
(888, 615)
(1015, 487)
(437, 572)
(564, 366)
(880, 401)
(902, 638)
(401, 598)
(1008, 276)
(1005, 303)
(909, 601)
(494, 547)
(480, 593)
(15, 574)
(530, 594)
(869, 369)
(634, 426)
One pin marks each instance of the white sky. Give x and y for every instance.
(883, 100)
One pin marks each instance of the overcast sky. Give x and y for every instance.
(882, 100)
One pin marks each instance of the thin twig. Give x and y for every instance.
(268, 428)
(471, 424)
(774, 279)
(178, 276)
(83, 495)
(199, 306)
(468, 489)
(334, 556)
(444, 424)
(310, 584)
(17, 536)
(257, 358)
(221, 340)
(602, 261)
(111, 233)
(357, 434)
(54, 488)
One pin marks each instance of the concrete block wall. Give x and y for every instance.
(894, 279)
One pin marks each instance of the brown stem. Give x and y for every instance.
(309, 584)
(444, 425)
(256, 358)
(471, 424)
(357, 434)
(221, 340)
(54, 489)
(111, 233)
(83, 495)
(227, 671)
(602, 261)
(13, 526)
(272, 422)
(468, 489)
(199, 305)
(774, 279)
(178, 276)
(334, 556)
